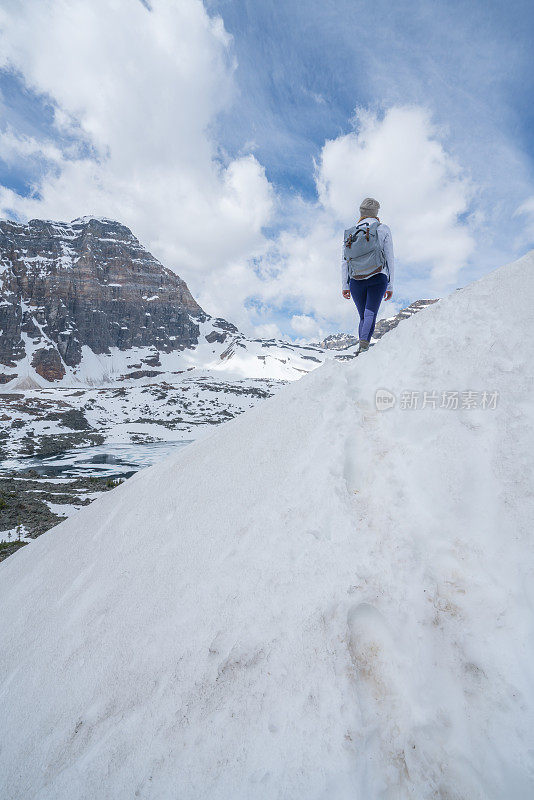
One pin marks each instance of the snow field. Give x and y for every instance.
(334, 601)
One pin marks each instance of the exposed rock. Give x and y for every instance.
(224, 325)
(24, 501)
(88, 282)
(10, 547)
(141, 373)
(24, 508)
(75, 420)
(47, 446)
(152, 361)
(48, 364)
(214, 336)
(385, 325)
(339, 341)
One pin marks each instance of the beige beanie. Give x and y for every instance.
(369, 207)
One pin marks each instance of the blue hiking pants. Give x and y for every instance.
(368, 294)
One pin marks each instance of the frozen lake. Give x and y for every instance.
(104, 461)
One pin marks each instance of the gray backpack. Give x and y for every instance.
(362, 251)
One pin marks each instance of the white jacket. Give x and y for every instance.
(385, 241)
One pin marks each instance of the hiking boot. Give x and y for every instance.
(363, 345)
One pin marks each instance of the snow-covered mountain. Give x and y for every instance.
(84, 303)
(320, 599)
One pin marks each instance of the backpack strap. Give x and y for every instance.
(362, 226)
(366, 226)
(352, 236)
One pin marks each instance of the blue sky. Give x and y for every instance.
(304, 67)
(264, 123)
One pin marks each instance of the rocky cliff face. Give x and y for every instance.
(90, 283)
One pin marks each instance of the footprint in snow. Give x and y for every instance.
(371, 650)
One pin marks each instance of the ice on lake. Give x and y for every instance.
(106, 461)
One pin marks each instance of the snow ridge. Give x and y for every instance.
(336, 601)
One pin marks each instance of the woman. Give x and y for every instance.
(367, 268)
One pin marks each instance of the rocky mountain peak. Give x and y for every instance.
(86, 283)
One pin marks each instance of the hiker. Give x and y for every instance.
(367, 268)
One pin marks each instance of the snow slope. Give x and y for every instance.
(319, 600)
(236, 358)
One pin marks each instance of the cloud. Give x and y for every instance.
(398, 158)
(525, 212)
(138, 96)
(268, 330)
(135, 92)
(423, 193)
(304, 325)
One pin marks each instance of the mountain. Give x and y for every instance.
(319, 599)
(87, 283)
(83, 303)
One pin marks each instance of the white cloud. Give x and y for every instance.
(15, 148)
(399, 160)
(268, 330)
(143, 89)
(304, 325)
(140, 91)
(525, 212)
